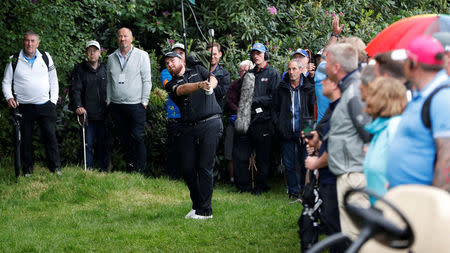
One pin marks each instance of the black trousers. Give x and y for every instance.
(197, 146)
(45, 116)
(330, 213)
(173, 155)
(259, 139)
(129, 127)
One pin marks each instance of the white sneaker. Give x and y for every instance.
(201, 217)
(190, 214)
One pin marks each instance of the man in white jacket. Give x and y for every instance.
(30, 84)
(128, 91)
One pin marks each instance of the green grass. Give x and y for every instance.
(117, 212)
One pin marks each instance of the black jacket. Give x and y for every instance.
(223, 83)
(283, 102)
(267, 80)
(197, 105)
(88, 90)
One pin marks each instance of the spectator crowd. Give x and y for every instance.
(358, 122)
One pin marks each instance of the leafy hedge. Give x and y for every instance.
(283, 25)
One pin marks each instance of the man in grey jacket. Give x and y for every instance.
(128, 91)
(347, 135)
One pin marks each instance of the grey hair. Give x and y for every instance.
(247, 63)
(300, 65)
(358, 44)
(367, 74)
(345, 55)
(32, 33)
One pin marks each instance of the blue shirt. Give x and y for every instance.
(412, 152)
(173, 112)
(31, 60)
(122, 59)
(296, 107)
(322, 101)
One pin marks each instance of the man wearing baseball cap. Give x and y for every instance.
(419, 154)
(173, 117)
(88, 96)
(304, 56)
(179, 49)
(200, 128)
(258, 138)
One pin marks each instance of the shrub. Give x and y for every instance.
(282, 25)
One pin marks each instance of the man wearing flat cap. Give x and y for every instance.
(192, 89)
(88, 98)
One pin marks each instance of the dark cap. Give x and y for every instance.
(259, 47)
(171, 55)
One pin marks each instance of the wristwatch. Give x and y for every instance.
(335, 35)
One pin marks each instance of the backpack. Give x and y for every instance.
(308, 222)
(426, 106)
(15, 58)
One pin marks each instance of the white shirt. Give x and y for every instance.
(32, 84)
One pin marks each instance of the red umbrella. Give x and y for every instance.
(398, 34)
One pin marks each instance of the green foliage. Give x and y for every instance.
(66, 25)
(117, 212)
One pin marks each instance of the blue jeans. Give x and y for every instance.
(293, 152)
(95, 144)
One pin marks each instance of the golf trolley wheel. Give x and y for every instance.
(374, 221)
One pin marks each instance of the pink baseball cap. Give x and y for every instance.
(423, 49)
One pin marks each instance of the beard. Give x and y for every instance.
(176, 70)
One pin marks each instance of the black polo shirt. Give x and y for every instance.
(197, 105)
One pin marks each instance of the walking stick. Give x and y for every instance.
(82, 120)
(252, 168)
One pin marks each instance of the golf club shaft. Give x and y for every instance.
(210, 59)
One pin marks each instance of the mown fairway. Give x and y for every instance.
(117, 212)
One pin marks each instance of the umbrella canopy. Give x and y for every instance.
(400, 33)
